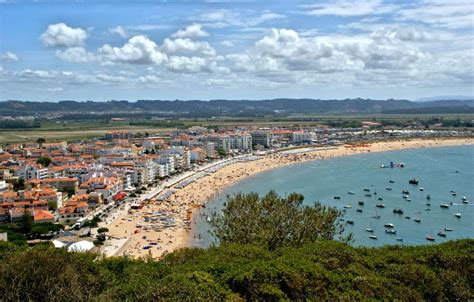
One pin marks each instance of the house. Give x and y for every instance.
(41, 216)
(31, 171)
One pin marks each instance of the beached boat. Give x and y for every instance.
(413, 181)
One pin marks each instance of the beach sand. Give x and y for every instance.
(181, 205)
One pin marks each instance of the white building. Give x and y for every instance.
(241, 142)
(29, 172)
(3, 186)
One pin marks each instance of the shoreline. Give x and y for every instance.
(182, 204)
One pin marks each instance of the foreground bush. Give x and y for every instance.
(315, 271)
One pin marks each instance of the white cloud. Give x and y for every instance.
(58, 35)
(192, 31)
(54, 89)
(224, 17)
(447, 14)
(227, 43)
(147, 27)
(137, 50)
(75, 55)
(119, 30)
(187, 46)
(345, 8)
(8, 57)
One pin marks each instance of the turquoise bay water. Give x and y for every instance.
(439, 171)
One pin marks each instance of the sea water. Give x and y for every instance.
(439, 171)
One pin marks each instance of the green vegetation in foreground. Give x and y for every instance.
(323, 270)
(312, 269)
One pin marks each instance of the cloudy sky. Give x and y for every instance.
(102, 50)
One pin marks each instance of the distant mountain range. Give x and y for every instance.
(233, 108)
(445, 97)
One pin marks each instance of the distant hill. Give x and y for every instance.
(232, 108)
(445, 98)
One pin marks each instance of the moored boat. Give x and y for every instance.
(444, 206)
(389, 225)
(391, 231)
(441, 234)
(413, 181)
(373, 237)
(380, 205)
(361, 203)
(398, 211)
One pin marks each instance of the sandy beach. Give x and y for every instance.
(135, 225)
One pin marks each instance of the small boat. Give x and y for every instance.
(380, 205)
(444, 206)
(393, 232)
(413, 181)
(337, 197)
(430, 238)
(370, 230)
(407, 217)
(427, 209)
(422, 189)
(464, 198)
(350, 221)
(417, 220)
(366, 190)
(361, 203)
(405, 192)
(406, 196)
(428, 204)
(397, 211)
(428, 196)
(350, 193)
(391, 181)
(441, 234)
(458, 215)
(368, 195)
(380, 198)
(454, 193)
(373, 237)
(448, 229)
(359, 210)
(399, 239)
(347, 206)
(376, 216)
(389, 225)
(408, 199)
(388, 189)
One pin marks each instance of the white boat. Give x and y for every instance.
(444, 205)
(389, 225)
(347, 206)
(373, 237)
(422, 189)
(458, 215)
(350, 193)
(370, 230)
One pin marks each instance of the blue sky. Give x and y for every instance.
(102, 50)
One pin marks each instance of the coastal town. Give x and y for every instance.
(134, 194)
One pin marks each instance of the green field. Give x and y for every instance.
(53, 130)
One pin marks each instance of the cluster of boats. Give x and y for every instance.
(390, 227)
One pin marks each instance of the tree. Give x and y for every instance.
(44, 161)
(221, 152)
(19, 184)
(26, 222)
(274, 221)
(102, 230)
(41, 141)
